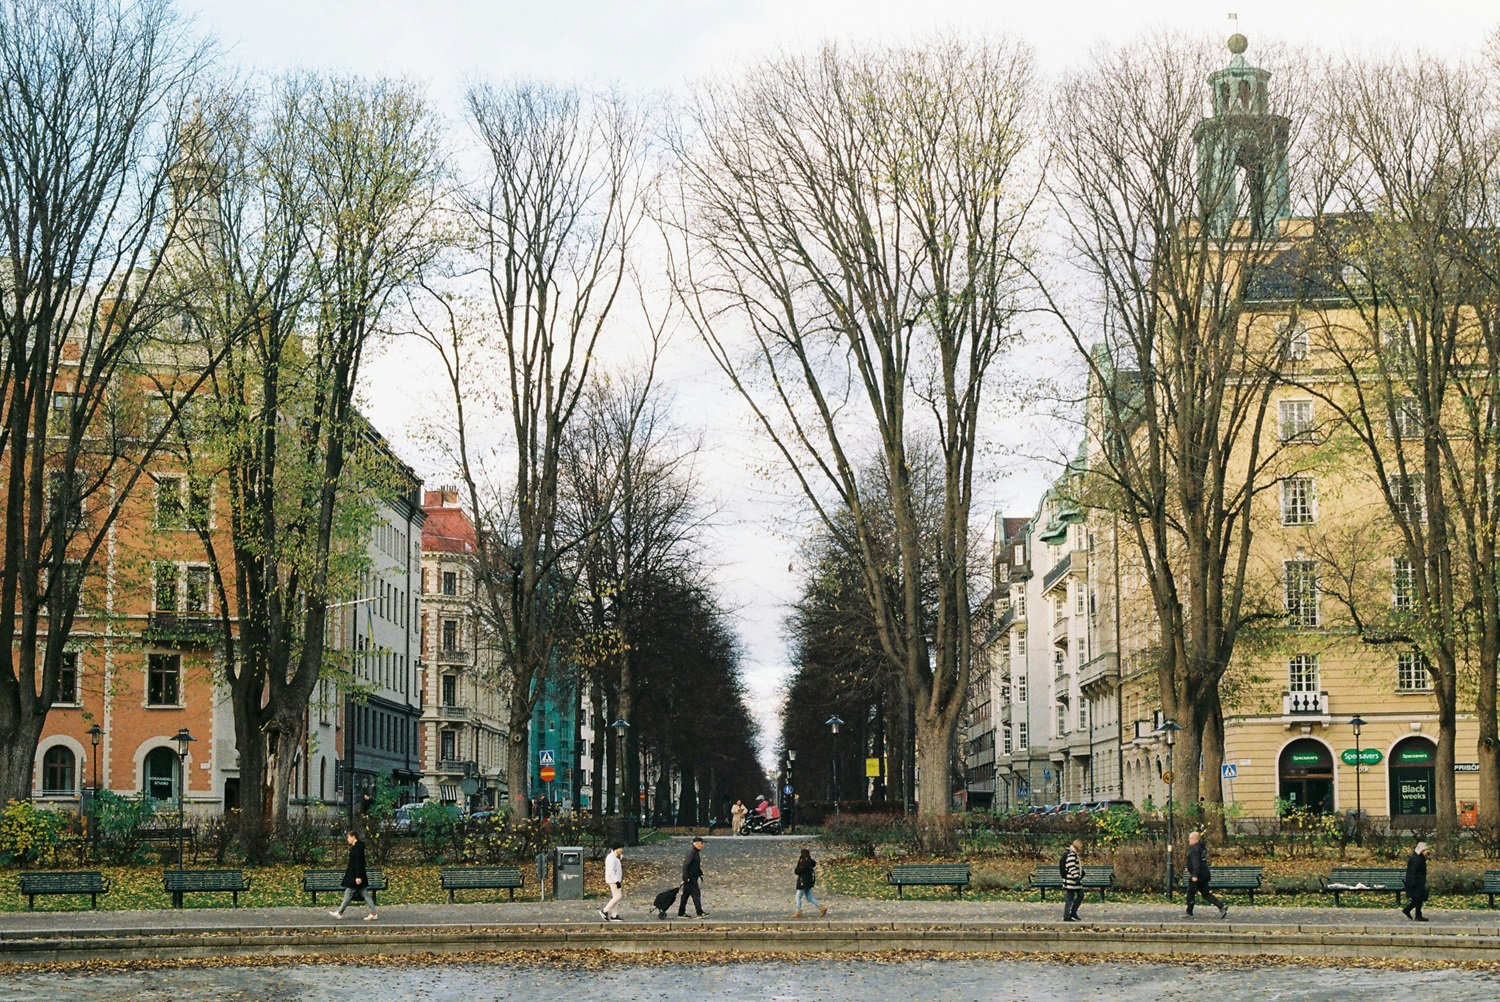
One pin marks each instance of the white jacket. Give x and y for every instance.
(614, 869)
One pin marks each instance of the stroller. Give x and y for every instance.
(666, 899)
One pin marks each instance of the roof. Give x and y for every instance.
(447, 530)
(1013, 526)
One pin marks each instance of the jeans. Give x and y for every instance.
(1072, 898)
(806, 894)
(349, 893)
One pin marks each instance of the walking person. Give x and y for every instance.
(692, 873)
(1199, 875)
(356, 879)
(739, 812)
(1415, 883)
(614, 879)
(1071, 867)
(806, 870)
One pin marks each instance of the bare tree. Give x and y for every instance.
(1170, 214)
(93, 94)
(849, 239)
(555, 215)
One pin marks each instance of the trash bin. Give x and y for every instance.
(567, 873)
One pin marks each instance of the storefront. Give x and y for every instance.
(1413, 777)
(1305, 772)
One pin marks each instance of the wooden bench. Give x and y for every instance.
(1354, 879)
(1231, 878)
(180, 882)
(90, 882)
(317, 882)
(954, 875)
(1100, 878)
(480, 878)
(1491, 885)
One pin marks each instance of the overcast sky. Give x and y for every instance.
(653, 46)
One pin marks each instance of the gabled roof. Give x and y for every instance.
(447, 530)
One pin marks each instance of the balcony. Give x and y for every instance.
(1006, 712)
(1057, 573)
(453, 712)
(1100, 675)
(182, 629)
(461, 767)
(1307, 704)
(452, 656)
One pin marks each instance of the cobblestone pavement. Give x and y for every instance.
(812, 981)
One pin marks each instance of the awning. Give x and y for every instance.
(450, 794)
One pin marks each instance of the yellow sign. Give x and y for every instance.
(1166, 777)
(872, 768)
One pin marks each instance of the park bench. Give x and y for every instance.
(1231, 878)
(90, 882)
(317, 882)
(180, 882)
(1354, 879)
(480, 878)
(954, 875)
(1491, 885)
(1099, 878)
(166, 840)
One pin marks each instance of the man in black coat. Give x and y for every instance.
(692, 872)
(1415, 883)
(1198, 875)
(356, 879)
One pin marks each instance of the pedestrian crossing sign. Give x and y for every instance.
(547, 757)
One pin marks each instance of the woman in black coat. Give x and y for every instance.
(1415, 883)
(356, 880)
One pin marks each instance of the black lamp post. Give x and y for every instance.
(95, 734)
(621, 728)
(1357, 723)
(834, 723)
(791, 796)
(1168, 730)
(183, 739)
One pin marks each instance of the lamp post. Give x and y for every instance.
(791, 797)
(834, 723)
(1168, 730)
(183, 739)
(1357, 723)
(95, 733)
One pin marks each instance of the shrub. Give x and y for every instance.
(29, 835)
(117, 818)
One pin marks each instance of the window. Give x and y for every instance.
(450, 746)
(58, 771)
(67, 679)
(195, 595)
(164, 586)
(450, 634)
(1297, 501)
(1409, 498)
(1302, 673)
(1083, 714)
(65, 500)
(1080, 599)
(1062, 719)
(1021, 692)
(1005, 741)
(161, 774)
(1403, 585)
(1021, 605)
(1398, 341)
(1294, 339)
(1301, 578)
(1296, 420)
(158, 413)
(1406, 418)
(450, 690)
(163, 680)
(182, 502)
(450, 583)
(1020, 643)
(1412, 674)
(1021, 736)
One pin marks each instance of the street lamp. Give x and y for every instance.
(183, 739)
(95, 733)
(1168, 730)
(791, 797)
(621, 728)
(1357, 723)
(834, 723)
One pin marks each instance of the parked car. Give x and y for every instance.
(1111, 805)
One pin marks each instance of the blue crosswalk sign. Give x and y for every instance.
(546, 756)
(1229, 770)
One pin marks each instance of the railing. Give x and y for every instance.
(1314, 703)
(453, 712)
(464, 766)
(452, 656)
(183, 628)
(1057, 572)
(1005, 713)
(1105, 667)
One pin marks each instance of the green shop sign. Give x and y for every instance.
(1364, 756)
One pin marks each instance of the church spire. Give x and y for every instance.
(1242, 148)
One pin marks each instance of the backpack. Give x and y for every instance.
(1062, 865)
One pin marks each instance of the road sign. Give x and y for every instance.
(548, 774)
(469, 785)
(1166, 777)
(546, 757)
(787, 790)
(1047, 775)
(1364, 756)
(1229, 771)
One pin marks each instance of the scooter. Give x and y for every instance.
(757, 824)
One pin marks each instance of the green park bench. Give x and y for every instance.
(90, 882)
(317, 882)
(180, 882)
(954, 875)
(480, 878)
(1100, 878)
(1491, 885)
(1231, 878)
(1358, 879)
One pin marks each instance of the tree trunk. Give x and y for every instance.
(18, 753)
(934, 758)
(518, 756)
(254, 834)
(687, 797)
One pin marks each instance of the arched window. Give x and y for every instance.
(1413, 777)
(161, 774)
(58, 771)
(1306, 775)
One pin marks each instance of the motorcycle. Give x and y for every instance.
(757, 824)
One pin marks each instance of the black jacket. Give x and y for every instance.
(806, 877)
(356, 868)
(1416, 874)
(1197, 864)
(692, 867)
